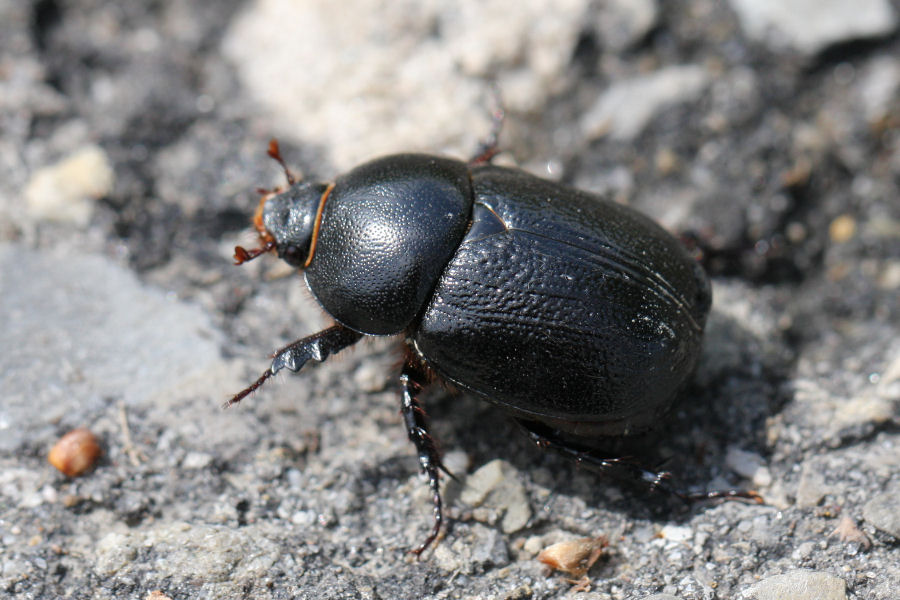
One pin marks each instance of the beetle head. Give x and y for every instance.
(287, 222)
(291, 219)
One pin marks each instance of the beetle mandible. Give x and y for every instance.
(578, 316)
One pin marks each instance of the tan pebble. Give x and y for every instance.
(75, 452)
(842, 229)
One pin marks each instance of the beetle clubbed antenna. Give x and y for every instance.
(242, 255)
(274, 152)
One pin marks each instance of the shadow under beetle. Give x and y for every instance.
(580, 317)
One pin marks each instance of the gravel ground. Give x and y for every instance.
(132, 138)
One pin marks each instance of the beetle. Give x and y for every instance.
(578, 316)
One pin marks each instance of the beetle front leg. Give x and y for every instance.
(413, 379)
(317, 346)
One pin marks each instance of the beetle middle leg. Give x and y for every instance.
(624, 468)
(317, 346)
(413, 379)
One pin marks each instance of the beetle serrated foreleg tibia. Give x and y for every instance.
(317, 346)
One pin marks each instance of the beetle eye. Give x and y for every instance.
(292, 255)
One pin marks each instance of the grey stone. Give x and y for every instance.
(497, 486)
(883, 511)
(802, 584)
(189, 552)
(623, 110)
(839, 407)
(878, 87)
(480, 547)
(811, 487)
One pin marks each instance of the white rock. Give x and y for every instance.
(749, 465)
(877, 87)
(366, 77)
(196, 460)
(812, 25)
(677, 533)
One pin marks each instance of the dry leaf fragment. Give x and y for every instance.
(847, 531)
(575, 557)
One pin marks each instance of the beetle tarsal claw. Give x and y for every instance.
(249, 389)
(448, 473)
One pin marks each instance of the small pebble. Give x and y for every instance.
(497, 487)
(749, 465)
(842, 229)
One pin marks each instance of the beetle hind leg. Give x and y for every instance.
(490, 147)
(627, 469)
(413, 379)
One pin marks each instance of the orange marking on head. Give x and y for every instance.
(317, 224)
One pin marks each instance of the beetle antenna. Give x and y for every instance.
(274, 152)
(242, 255)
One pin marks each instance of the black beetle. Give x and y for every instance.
(579, 316)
